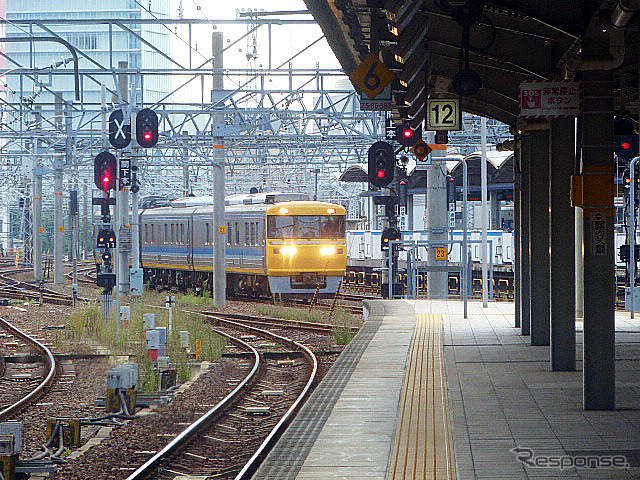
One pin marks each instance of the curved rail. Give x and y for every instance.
(254, 462)
(39, 390)
(202, 422)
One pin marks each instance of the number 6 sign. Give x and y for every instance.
(444, 114)
(372, 76)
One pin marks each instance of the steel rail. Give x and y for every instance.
(254, 462)
(281, 323)
(40, 389)
(203, 421)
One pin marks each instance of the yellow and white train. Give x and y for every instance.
(291, 248)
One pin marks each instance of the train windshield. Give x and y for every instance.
(306, 226)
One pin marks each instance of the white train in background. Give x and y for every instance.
(364, 246)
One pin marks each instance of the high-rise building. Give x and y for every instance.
(105, 44)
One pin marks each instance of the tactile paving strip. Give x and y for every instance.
(423, 445)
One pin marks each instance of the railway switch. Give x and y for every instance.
(113, 404)
(70, 432)
(8, 466)
(10, 447)
(13, 430)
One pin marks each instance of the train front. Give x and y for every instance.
(306, 248)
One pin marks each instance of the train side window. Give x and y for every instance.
(252, 226)
(181, 233)
(237, 241)
(247, 234)
(206, 239)
(152, 234)
(229, 237)
(166, 233)
(146, 233)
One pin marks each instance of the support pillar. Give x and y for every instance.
(561, 231)
(579, 252)
(525, 254)
(517, 231)
(437, 230)
(539, 237)
(598, 212)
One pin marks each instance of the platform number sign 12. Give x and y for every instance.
(444, 114)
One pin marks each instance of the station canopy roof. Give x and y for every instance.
(509, 41)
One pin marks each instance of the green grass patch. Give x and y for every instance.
(341, 318)
(344, 322)
(290, 313)
(86, 323)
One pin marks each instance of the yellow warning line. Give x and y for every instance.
(423, 447)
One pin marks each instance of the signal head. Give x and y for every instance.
(147, 128)
(104, 171)
(381, 164)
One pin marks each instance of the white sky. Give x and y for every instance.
(286, 39)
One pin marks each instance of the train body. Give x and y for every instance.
(366, 260)
(295, 248)
(363, 245)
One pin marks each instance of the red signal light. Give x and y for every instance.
(407, 133)
(148, 136)
(626, 145)
(106, 180)
(381, 174)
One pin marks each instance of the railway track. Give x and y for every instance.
(19, 290)
(254, 413)
(269, 322)
(22, 383)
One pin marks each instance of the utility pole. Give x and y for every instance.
(219, 230)
(37, 201)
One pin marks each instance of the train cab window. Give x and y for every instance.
(280, 227)
(306, 226)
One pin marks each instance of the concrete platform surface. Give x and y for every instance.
(515, 419)
(512, 417)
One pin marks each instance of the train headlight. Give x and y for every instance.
(328, 250)
(289, 250)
